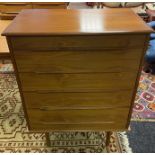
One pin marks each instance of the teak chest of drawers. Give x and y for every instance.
(77, 69)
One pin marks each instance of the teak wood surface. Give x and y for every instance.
(16, 7)
(90, 82)
(78, 69)
(78, 61)
(82, 22)
(4, 50)
(78, 42)
(9, 10)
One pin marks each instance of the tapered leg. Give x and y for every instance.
(108, 134)
(48, 139)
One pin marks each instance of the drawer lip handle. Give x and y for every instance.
(118, 49)
(43, 72)
(65, 123)
(47, 4)
(70, 48)
(47, 108)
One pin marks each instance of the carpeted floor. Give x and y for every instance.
(144, 107)
(142, 137)
(14, 135)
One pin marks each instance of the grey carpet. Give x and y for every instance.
(142, 137)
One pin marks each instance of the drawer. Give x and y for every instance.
(78, 61)
(77, 82)
(78, 119)
(77, 42)
(47, 100)
(14, 7)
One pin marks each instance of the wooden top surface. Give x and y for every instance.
(75, 22)
(3, 43)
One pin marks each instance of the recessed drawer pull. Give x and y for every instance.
(43, 72)
(69, 123)
(74, 108)
(47, 4)
(44, 108)
(42, 91)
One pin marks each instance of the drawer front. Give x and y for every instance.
(77, 82)
(78, 61)
(48, 100)
(78, 119)
(49, 6)
(14, 7)
(78, 42)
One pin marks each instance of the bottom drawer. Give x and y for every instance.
(105, 119)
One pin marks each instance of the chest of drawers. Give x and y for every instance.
(77, 69)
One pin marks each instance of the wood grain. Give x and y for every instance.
(77, 82)
(45, 22)
(14, 7)
(78, 42)
(37, 126)
(4, 50)
(78, 61)
(77, 117)
(47, 100)
(9, 10)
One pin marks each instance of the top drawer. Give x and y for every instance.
(77, 42)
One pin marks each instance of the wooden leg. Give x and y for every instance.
(48, 139)
(108, 134)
